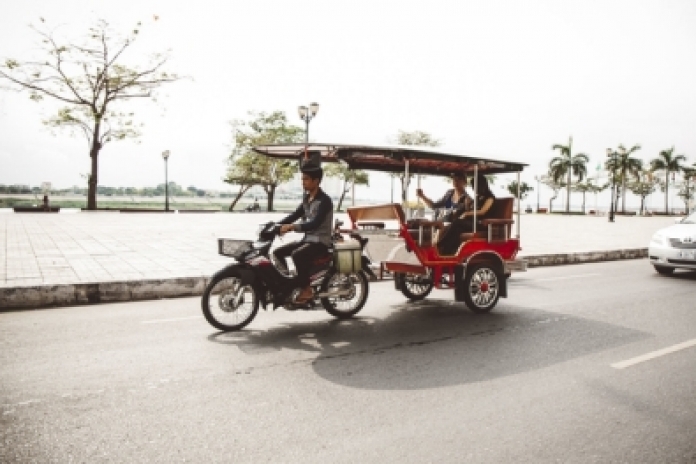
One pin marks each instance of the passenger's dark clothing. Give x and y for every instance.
(318, 216)
(450, 240)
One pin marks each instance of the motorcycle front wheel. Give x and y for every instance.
(227, 304)
(345, 294)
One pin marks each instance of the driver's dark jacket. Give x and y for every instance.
(317, 215)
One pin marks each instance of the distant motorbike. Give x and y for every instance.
(339, 280)
(252, 208)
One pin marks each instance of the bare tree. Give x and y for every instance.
(89, 78)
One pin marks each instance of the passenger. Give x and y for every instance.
(464, 219)
(454, 199)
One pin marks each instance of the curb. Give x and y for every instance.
(43, 296)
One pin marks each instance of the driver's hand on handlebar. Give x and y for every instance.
(285, 228)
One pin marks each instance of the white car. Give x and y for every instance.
(674, 247)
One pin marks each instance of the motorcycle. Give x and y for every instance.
(252, 208)
(339, 280)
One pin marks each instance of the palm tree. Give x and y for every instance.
(669, 162)
(623, 165)
(568, 164)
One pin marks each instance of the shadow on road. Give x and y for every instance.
(436, 343)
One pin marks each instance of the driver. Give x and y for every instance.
(317, 211)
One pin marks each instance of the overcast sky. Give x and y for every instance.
(503, 78)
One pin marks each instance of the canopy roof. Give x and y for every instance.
(421, 160)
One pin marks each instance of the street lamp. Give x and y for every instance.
(537, 179)
(165, 155)
(307, 114)
(611, 154)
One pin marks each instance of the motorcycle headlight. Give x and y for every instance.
(658, 239)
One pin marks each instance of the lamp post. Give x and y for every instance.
(538, 179)
(610, 155)
(307, 114)
(165, 155)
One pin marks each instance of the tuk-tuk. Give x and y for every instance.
(486, 256)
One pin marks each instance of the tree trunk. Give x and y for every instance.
(270, 192)
(583, 202)
(623, 193)
(242, 191)
(344, 190)
(94, 176)
(667, 193)
(568, 193)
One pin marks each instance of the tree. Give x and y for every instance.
(644, 185)
(587, 187)
(686, 190)
(622, 165)
(524, 189)
(349, 177)
(248, 168)
(567, 164)
(668, 162)
(91, 80)
(418, 138)
(554, 185)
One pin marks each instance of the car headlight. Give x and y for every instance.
(658, 239)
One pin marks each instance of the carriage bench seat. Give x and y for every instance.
(498, 225)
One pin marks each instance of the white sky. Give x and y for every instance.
(503, 78)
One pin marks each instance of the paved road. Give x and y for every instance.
(421, 382)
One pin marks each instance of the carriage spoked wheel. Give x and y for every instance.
(416, 286)
(481, 288)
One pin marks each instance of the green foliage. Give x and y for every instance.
(248, 168)
(524, 189)
(668, 162)
(420, 138)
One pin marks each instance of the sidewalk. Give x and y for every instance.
(89, 257)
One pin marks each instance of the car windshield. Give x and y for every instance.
(691, 219)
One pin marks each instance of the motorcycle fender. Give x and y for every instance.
(248, 277)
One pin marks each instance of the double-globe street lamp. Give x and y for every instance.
(165, 155)
(307, 114)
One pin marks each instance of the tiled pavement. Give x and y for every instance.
(79, 247)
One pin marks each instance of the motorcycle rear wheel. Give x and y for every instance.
(345, 306)
(227, 304)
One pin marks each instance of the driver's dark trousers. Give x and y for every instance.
(303, 254)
